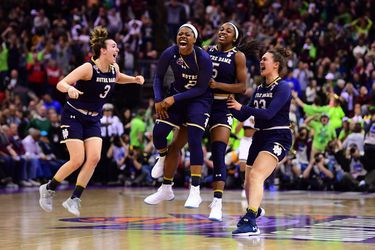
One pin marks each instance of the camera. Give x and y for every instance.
(318, 158)
(352, 149)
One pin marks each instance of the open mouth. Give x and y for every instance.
(262, 68)
(221, 37)
(182, 43)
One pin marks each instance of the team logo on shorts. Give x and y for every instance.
(230, 120)
(65, 133)
(277, 150)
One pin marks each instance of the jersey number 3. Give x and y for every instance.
(107, 88)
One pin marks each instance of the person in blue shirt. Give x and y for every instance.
(273, 138)
(188, 104)
(88, 87)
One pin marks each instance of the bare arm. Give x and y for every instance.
(83, 72)
(241, 73)
(296, 98)
(110, 151)
(238, 127)
(307, 171)
(326, 171)
(125, 79)
(310, 118)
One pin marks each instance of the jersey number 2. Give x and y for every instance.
(190, 84)
(107, 88)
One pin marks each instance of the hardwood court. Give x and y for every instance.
(117, 218)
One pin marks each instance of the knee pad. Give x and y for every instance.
(195, 135)
(160, 134)
(218, 149)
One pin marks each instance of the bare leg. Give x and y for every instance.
(263, 167)
(76, 158)
(93, 149)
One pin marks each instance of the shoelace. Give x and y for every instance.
(48, 194)
(77, 203)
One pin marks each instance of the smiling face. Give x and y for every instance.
(267, 65)
(185, 40)
(226, 34)
(110, 52)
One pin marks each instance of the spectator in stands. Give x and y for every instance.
(137, 130)
(317, 176)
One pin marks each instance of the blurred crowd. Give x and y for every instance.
(331, 73)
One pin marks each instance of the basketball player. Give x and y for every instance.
(81, 116)
(273, 138)
(189, 101)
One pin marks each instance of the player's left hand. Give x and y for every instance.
(167, 102)
(139, 79)
(233, 104)
(212, 84)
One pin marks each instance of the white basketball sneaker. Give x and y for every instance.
(158, 169)
(72, 205)
(216, 213)
(194, 198)
(46, 198)
(164, 193)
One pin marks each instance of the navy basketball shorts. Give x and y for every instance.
(193, 112)
(275, 142)
(198, 112)
(177, 115)
(77, 126)
(220, 115)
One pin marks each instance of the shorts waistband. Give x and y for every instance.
(84, 111)
(218, 96)
(273, 128)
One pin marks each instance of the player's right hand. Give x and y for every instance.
(233, 104)
(161, 111)
(74, 93)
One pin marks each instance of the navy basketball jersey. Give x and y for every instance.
(191, 73)
(96, 91)
(185, 70)
(276, 98)
(224, 66)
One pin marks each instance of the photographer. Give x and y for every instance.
(351, 162)
(136, 168)
(317, 176)
(355, 138)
